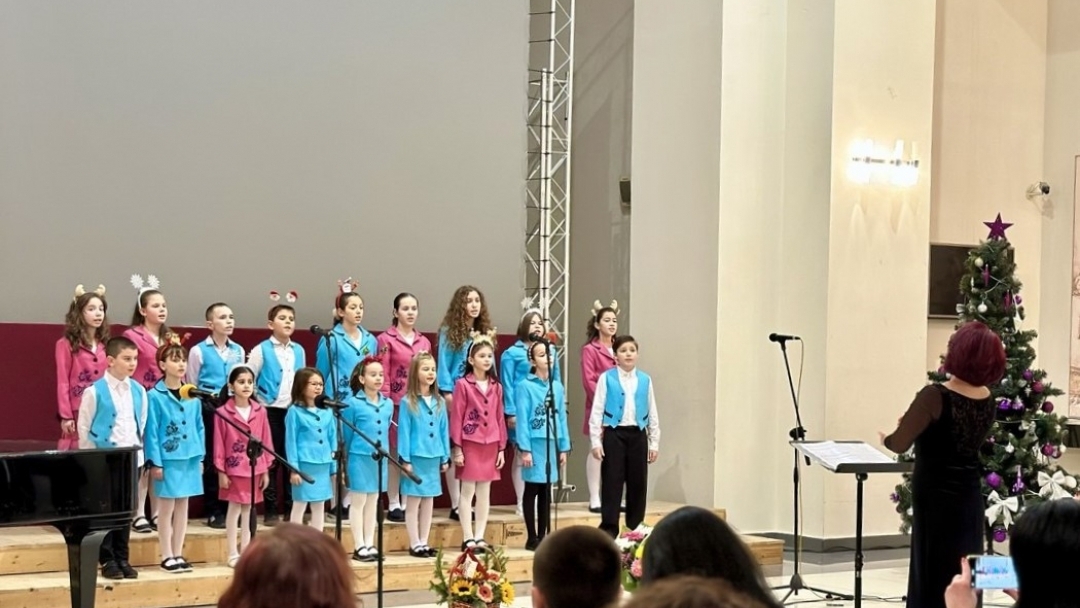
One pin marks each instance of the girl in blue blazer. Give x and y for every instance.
(370, 412)
(310, 441)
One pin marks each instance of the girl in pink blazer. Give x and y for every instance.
(397, 347)
(80, 357)
(478, 437)
(231, 460)
(597, 357)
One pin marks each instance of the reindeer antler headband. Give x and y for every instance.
(487, 337)
(290, 296)
(349, 285)
(597, 307)
(80, 291)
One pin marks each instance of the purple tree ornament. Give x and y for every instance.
(1028, 375)
(993, 480)
(1000, 534)
(1037, 387)
(1004, 404)
(1048, 407)
(1047, 450)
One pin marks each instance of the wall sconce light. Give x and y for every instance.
(873, 163)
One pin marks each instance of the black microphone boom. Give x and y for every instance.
(189, 390)
(536, 337)
(775, 337)
(324, 401)
(318, 331)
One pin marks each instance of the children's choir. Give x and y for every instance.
(455, 414)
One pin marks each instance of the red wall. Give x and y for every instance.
(28, 408)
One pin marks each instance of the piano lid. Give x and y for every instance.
(14, 448)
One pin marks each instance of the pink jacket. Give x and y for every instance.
(74, 372)
(147, 373)
(397, 357)
(476, 416)
(230, 447)
(595, 360)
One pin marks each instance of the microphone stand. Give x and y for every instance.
(255, 449)
(798, 433)
(552, 436)
(378, 455)
(331, 358)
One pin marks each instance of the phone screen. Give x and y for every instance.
(992, 572)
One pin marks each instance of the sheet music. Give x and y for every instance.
(832, 454)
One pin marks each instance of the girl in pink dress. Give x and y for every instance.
(231, 460)
(478, 436)
(596, 358)
(80, 357)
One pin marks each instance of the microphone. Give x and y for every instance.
(324, 401)
(318, 331)
(775, 337)
(189, 391)
(538, 337)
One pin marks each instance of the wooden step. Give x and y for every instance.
(33, 560)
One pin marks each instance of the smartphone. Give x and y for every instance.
(992, 572)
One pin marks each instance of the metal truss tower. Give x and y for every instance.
(547, 201)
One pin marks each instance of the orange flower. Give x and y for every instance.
(485, 593)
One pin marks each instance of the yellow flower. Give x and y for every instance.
(641, 548)
(507, 592)
(460, 587)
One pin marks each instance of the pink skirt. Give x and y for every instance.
(479, 462)
(240, 491)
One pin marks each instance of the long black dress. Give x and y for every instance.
(948, 429)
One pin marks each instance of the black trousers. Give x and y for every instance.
(276, 417)
(212, 505)
(536, 503)
(114, 547)
(625, 463)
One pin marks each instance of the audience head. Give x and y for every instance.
(691, 592)
(1045, 547)
(975, 355)
(291, 565)
(576, 567)
(695, 541)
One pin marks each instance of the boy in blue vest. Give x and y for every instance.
(209, 363)
(275, 361)
(113, 414)
(624, 431)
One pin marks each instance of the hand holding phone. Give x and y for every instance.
(992, 572)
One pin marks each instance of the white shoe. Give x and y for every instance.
(232, 560)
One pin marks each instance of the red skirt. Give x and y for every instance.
(240, 491)
(479, 462)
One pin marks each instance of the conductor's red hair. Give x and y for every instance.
(975, 355)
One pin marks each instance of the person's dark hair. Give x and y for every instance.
(623, 339)
(591, 333)
(695, 541)
(526, 321)
(975, 355)
(116, 345)
(211, 308)
(473, 349)
(278, 308)
(342, 301)
(137, 317)
(300, 382)
(75, 327)
(1045, 547)
(358, 372)
(233, 375)
(397, 304)
(691, 592)
(578, 567)
(291, 565)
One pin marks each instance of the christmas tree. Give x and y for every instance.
(1027, 437)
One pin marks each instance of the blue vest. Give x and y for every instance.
(214, 372)
(616, 399)
(101, 426)
(268, 383)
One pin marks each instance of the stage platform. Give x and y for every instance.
(33, 560)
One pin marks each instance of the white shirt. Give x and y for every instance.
(629, 382)
(195, 361)
(287, 360)
(244, 411)
(124, 432)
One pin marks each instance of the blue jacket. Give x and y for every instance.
(451, 362)
(310, 436)
(615, 400)
(105, 412)
(346, 355)
(268, 383)
(531, 394)
(214, 371)
(514, 366)
(373, 419)
(174, 427)
(424, 433)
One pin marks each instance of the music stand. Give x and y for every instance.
(860, 459)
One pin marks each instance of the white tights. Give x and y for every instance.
(318, 513)
(146, 489)
(515, 475)
(418, 519)
(482, 491)
(242, 513)
(362, 518)
(592, 476)
(172, 526)
(453, 486)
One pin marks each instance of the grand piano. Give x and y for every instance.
(83, 493)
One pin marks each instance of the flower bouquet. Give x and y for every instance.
(632, 544)
(473, 581)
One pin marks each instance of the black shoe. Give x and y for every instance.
(454, 516)
(111, 570)
(128, 571)
(184, 564)
(530, 545)
(141, 525)
(469, 544)
(418, 551)
(595, 510)
(482, 546)
(172, 565)
(216, 522)
(339, 512)
(396, 515)
(271, 520)
(153, 523)
(431, 552)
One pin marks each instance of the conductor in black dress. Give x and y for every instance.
(948, 424)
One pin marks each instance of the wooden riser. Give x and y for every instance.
(33, 561)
